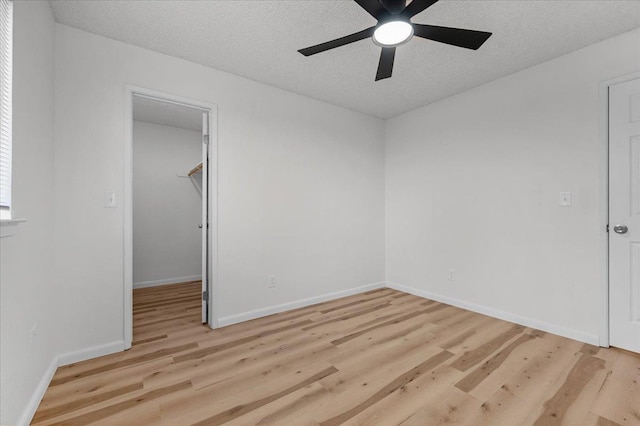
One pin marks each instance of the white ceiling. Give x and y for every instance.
(259, 40)
(166, 114)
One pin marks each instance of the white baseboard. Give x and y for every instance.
(168, 281)
(58, 361)
(92, 352)
(570, 333)
(38, 393)
(258, 313)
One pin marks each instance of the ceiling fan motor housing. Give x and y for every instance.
(394, 6)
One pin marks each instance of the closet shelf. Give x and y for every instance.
(195, 170)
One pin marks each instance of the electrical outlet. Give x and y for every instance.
(34, 332)
(452, 275)
(273, 281)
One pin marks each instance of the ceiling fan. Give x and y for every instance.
(395, 28)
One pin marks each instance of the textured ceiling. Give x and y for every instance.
(166, 114)
(259, 40)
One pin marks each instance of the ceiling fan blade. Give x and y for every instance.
(385, 66)
(374, 7)
(469, 39)
(360, 35)
(417, 6)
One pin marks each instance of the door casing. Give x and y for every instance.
(127, 203)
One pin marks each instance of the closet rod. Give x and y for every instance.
(195, 170)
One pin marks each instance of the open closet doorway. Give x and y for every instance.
(170, 215)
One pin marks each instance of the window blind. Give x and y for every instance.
(6, 69)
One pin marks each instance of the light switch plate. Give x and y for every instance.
(565, 199)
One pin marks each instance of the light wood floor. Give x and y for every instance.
(378, 358)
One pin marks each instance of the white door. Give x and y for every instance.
(205, 216)
(624, 215)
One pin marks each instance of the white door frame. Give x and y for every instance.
(212, 109)
(604, 201)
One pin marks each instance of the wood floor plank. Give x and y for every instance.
(515, 362)
(106, 382)
(233, 361)
(606, 422)
(619, 398)
(124, 363)
(391, 387)
(148, 339)
(471, 358)
(523, 395)
(378, 318)
(474, 378)
(484, 330)
(351, 304)
(58, 410)
(211, 401)
(358, 382)
(378, 358)
(579, 412)
(455, 408)
(224, 346)
(239, 410)
(289, 411)
(352, 336)
(283, 363)
(581, 373)
(118, 408)
(345, 317)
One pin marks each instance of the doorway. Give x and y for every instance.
(624, 214)
(170, 213)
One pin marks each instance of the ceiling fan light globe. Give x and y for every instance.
(393, 33)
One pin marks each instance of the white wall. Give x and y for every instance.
(28, 295)
(301, 185)
(167, 243)
(472, 184)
